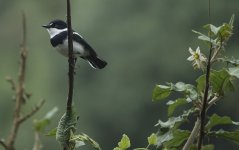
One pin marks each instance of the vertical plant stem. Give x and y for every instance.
(71, 59)
(205, 97)
(192, 136)
(19, 90)
(71, 62)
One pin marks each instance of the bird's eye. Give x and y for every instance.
(52, 24)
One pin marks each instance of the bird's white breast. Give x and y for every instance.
(77, 49)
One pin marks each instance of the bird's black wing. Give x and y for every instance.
(76, 37)
(58, 39)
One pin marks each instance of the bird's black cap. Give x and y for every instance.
(59, 24)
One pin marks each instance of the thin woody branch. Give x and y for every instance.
(20, 94)
(19, 90)
(12, 82)
(3, 144)
(31, 113)
(193, 135)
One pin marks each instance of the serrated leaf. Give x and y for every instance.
(215, 120)
(161, 92)
(172, 105)
(179, 136)
(234, 72)
(231, 136)
(152, 139)
(124, 142)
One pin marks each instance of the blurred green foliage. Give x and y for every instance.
(144, 42)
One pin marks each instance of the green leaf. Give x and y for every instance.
(231, 136)
(204, 38)
(170, 123)
(152, 139)
(52, 132)
(164, 138)
(83, 139)
(141, 149)
(208, 147)
(173, 122)
(79, 144)
(172, 105)
(117, 148)
(234, 72)
(187, 89)
(231, 22)
(212, 28)
(124, 143)
(39, 125)
(232, 61)
(215, 120)
(161, 92)
(220, 81)
(179, 136)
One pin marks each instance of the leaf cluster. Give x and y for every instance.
(170, 134)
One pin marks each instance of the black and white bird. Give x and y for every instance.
(59, 39)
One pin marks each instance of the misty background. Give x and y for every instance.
(144, 42)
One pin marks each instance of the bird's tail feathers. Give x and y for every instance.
(96, 62)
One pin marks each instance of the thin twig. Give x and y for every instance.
(19, 90)
(31, 113)
(12, 82)
(37, 144)
(193, 135)
(205, 97)
(3, 144)
(213, 59)
(213, 101)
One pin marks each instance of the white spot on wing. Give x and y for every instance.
(78, 34)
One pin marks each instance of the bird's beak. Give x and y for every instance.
(46, 26)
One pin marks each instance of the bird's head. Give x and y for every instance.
(55, 27)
